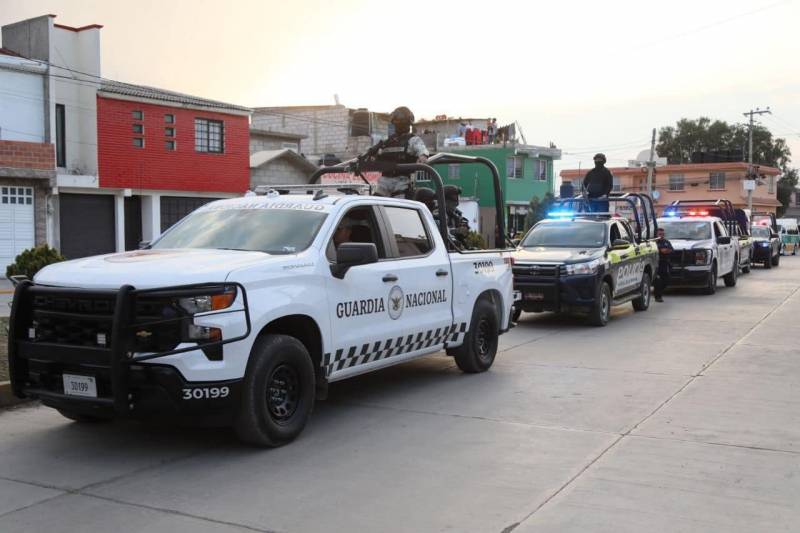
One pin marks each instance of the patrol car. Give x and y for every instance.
(247, 309)
(577, 260)
(766, 246)
(703, 250)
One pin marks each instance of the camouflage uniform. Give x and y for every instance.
(411, 152)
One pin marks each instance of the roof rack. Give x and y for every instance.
(722, 209)
(641, 205)
(313, 188)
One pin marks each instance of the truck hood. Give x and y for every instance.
(682, 244)
(148, 268)
(556, 255)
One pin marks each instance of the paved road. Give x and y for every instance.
(684, 418)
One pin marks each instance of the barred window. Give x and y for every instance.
(616, 185)
(676, 182)
(169, 119)
(208, 135)
(716, 181)
(514, 167)
(541, 169)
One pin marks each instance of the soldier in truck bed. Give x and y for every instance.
(402, 147)
(598, 183)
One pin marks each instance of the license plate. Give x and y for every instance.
(80, 386)
(535, 296)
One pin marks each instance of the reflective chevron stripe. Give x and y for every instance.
(375, 350)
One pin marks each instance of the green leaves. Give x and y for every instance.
(32, 260)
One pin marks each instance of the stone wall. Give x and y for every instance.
(278, 172)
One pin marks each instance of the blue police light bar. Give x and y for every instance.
(561, 214)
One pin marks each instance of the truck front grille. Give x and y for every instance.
(537, 270)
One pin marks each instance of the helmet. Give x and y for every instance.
(402, 115)
(426, 196)
(600, 157)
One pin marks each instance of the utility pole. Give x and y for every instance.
(651, 164)
(750, 175)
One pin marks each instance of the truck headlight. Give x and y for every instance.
(206, 303)
(587, 267)
(701, 257)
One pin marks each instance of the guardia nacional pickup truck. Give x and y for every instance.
(244, 311)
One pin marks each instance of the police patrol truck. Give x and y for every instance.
(247, 309)
(582, 260)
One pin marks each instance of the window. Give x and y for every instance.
(617, 186)
(291, 146)
(516, 218)
(61, 145)
(138, 142)
(454, 171)
(357, 225)
(169, 145)
(615, 234)
(408, 232)
(716, 181)
(169, 132)
(514, 167)
(138, 128)
(138, 115)
(17, 195)
(541, 170)
(771, 184)
(169, 119)
(676, 182)
(627, 232)
(208, 135)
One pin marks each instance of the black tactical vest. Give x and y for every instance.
(395, 150)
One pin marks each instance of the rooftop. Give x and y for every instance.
(278, 134)
(153, 93)
(683, 167)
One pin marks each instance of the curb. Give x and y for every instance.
(7, 398)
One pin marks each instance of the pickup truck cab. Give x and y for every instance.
(703, 251)
(244, 311)
(766, 246)
(585, 261)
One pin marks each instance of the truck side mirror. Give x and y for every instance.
(620, 244)
(350, 254)
(725, 239)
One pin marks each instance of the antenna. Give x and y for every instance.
(336, 99)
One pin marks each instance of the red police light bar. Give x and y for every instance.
(701, 213)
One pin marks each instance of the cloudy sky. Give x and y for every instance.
(589, 76)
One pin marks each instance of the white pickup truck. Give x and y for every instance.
(703, 251)
(243, 312)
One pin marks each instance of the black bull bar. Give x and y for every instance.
(119, 353)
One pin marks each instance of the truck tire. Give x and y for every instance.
(601, 309)
(83, 418)
(477, 352)
(776, 260)
(711, 282)
(277, 392)
(643, 302)
(730, 277)
(768, 262)
(516, 314)
(746, 267)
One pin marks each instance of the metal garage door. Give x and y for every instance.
(174, 208)
(16, 223)
(87, 224)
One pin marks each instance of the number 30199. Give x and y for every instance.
(206, 393)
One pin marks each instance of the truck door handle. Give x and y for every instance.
(442, 272)
(389, 278)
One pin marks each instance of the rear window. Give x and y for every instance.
(408, 232)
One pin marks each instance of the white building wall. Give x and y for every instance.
(22, 102)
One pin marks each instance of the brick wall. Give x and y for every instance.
(123, 165)
(21, 154)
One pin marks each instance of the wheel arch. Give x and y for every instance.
(306, 330)
(494, 297)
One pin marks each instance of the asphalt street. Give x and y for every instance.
(682, 418)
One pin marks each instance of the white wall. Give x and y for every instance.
(21, 102)
(79, 51)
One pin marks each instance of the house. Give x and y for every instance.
(27, 157)
(279, 167)
(695, 181)
(261, 140)
(335, 131)
(131, 160)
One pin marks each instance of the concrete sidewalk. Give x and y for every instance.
(682, 418)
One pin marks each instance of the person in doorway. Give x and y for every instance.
(402, 147)
(662, 276)
(598, 184)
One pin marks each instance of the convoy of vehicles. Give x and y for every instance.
(244, 311)
(587, 261)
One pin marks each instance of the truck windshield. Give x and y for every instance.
(568, 235)
(686, 229)
(275, 231)
(761, 231)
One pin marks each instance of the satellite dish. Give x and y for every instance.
(643, 156)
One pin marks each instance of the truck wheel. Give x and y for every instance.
(83, 418)
(277, 392)
(601, 309)
(480, 343)
(711, 282)
(776, 260)
(746, 267)
(516, 314)
(730, 277)
(643, 302)
(768, 262)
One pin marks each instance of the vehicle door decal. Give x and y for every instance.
(377, 350)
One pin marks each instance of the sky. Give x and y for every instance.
(589, 76)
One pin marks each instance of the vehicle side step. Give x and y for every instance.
(625, 299)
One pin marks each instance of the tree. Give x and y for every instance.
(538, 209)
(678, 143)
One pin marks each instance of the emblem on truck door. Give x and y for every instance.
(396, 302)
